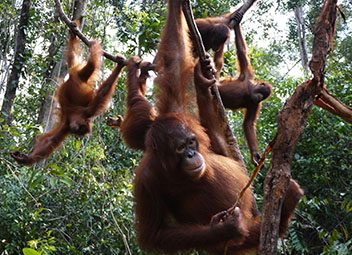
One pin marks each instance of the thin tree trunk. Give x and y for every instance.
(48, 104)
(17, 66)
(301, 32)
(5, 33)
(79, 10)
(52, 71)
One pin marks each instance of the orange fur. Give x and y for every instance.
(174, 62)
(181, 184)
(79, 102)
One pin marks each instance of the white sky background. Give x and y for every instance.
(279, 32)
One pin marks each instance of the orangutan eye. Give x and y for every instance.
(192, 142)
(180, 149)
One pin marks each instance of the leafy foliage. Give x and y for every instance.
(80, 200)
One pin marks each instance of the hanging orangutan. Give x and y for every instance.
(244, 92)
(79, 103)
(182, 186)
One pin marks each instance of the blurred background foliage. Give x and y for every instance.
(80, 200)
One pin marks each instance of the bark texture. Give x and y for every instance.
(301, 33)
(291, 123)
(17, 66)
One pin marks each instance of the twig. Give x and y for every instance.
(253, 175)
(124, 239)
(288, 71)
(37, 203)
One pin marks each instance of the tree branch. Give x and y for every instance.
(119, 59)
(323, 40)
(242, 10)
(291, 123)
(330, 103)
(195, 35)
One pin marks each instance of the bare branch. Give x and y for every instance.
(245, 7)
(330, 103)
(241, 11)
(119, 59)
(323, 40)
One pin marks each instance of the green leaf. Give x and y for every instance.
(29, 251)
(56, 170)
(66, 180)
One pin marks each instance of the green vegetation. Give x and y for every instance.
(80, 200)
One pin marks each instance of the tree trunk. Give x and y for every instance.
(52, 71)
(301, 32)
(291, 123)
(6, 27)
(48, 104)
(12, 83)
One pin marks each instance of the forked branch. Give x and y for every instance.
(324, 37)
(291, 123)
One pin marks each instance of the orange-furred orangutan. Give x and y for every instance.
(244, 92)
(183, 185)
(79, 102)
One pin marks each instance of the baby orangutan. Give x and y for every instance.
(79, 102)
